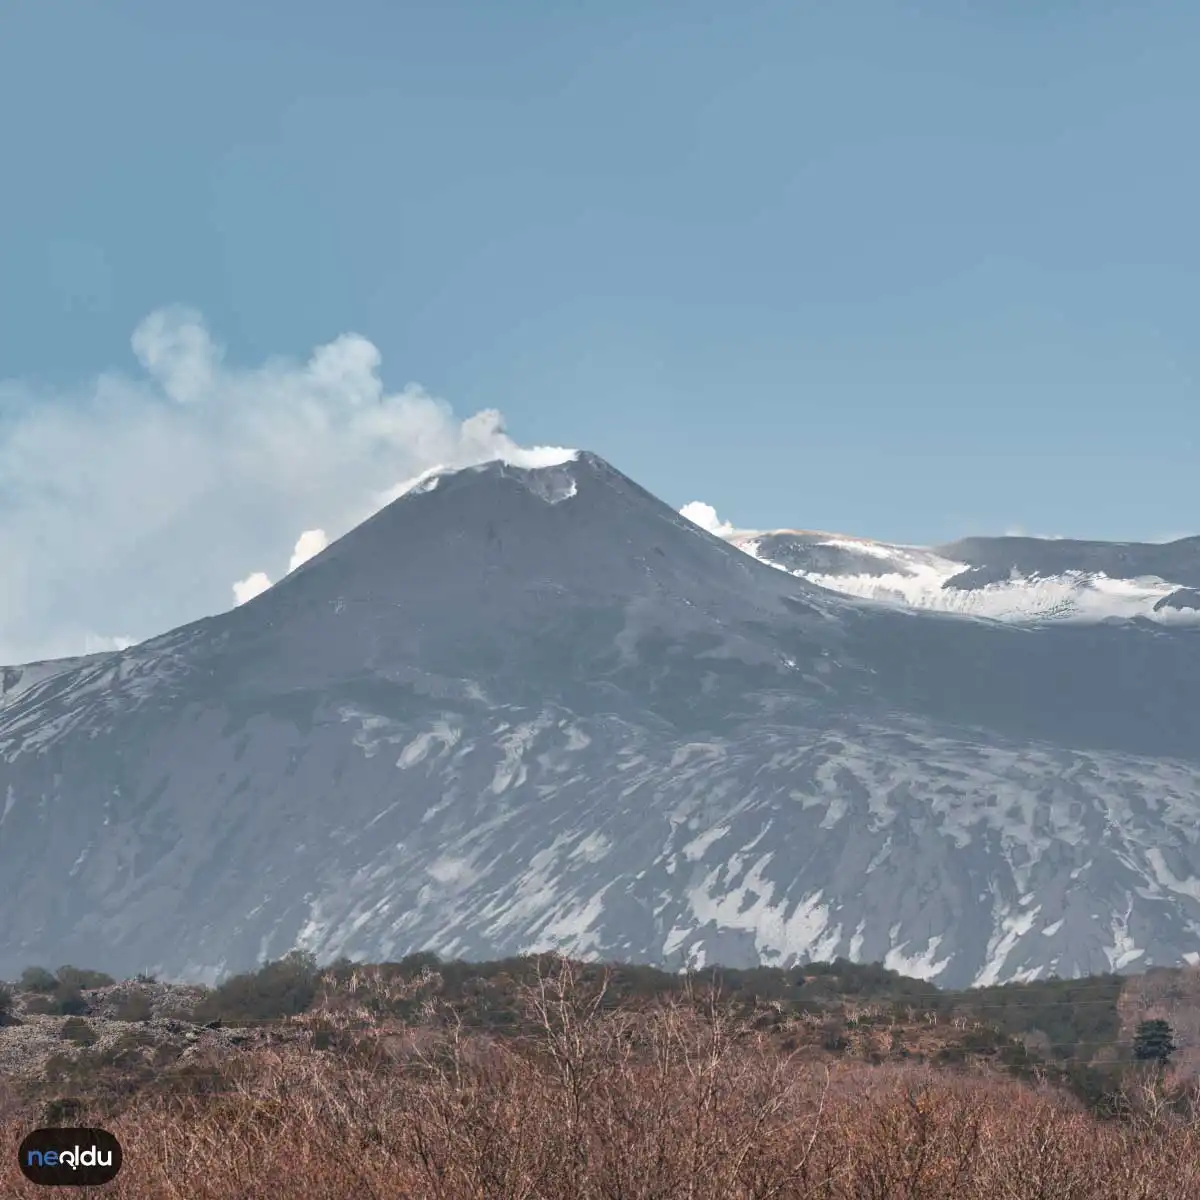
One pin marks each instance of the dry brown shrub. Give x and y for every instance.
(675, 1101)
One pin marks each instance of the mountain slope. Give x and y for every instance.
(532, 708)
(14, 680)
(1008, 579)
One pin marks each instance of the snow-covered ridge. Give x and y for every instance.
(18, 679)
(928, 578)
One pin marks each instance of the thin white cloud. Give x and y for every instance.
(130, 505)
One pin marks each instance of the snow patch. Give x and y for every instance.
(592, 848)
(1008, 932)
(442, 733)
(777, 933)
(694, 850)
(572, 929)
(856, 942)
(1123, 951)
(1167, 878)
(450, 871)
(920, 966)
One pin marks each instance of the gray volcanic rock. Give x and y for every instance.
(1181, 598)
(523, 709)
(992, 560)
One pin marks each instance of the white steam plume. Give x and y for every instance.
(706, 517)
(253, 585)
(310, 543)
(128, 505)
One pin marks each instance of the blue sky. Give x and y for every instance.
(910, 270)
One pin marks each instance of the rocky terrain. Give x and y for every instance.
(125, 1025)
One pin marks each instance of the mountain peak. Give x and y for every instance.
(521, 543)
(536, 458)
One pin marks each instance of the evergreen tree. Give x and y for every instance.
(38, 979)
(1153, 1042)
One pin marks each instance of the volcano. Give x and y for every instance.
(523, 709)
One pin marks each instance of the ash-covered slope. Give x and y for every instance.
(14, 680)
(994, 558)
(522, 709)
(1015, 579)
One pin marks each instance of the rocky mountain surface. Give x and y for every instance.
(14, 680)
(530, 709)
(127, 1024)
